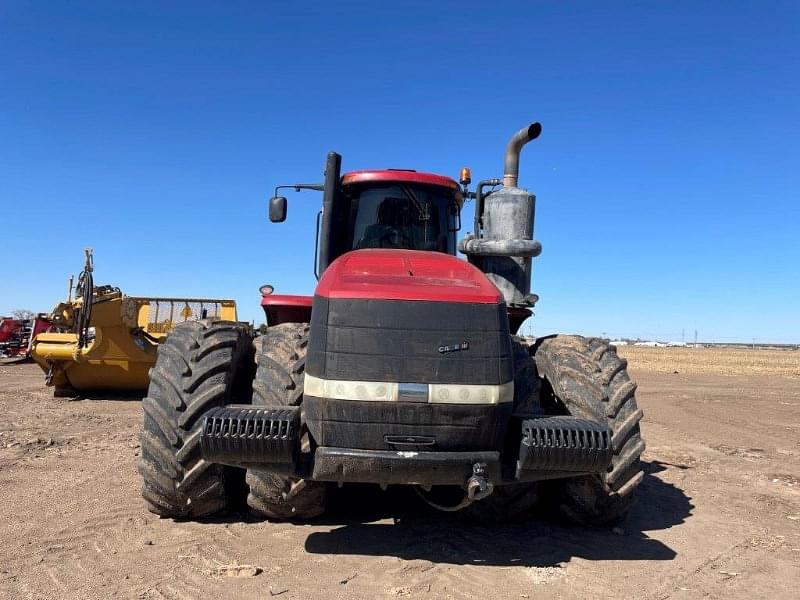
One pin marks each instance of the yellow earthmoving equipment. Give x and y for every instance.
(110, 341)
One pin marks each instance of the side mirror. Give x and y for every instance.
(277, 209)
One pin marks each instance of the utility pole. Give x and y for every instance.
(695, 338)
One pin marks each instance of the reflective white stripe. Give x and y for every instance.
(349, 390)
(438, 393)
(454, 393)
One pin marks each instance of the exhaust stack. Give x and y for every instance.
(515, 144)
(502, 245)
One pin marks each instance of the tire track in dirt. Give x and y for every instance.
(96, 530)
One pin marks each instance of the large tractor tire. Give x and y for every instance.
(516, 500)
(200, 365)
(584, 377)
(281, 362)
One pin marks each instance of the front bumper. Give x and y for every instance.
(270, 439)
(402, 467)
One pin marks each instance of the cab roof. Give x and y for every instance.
(398, 176)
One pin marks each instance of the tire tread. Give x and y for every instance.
(588, 379)
(197, 367)
(280, 359)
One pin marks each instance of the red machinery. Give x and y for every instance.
(404, 368)
(16, 336)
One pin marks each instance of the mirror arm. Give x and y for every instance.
(317, 187)
(277, 204)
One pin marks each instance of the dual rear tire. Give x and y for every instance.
(581, 377)
(202, 365)
(281, 362)
(585, 378)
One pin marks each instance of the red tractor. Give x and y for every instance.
(404, 367)
(16, 336)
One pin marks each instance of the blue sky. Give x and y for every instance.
(667, 175)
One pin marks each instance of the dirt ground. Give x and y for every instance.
(714, 360)
(718, 514)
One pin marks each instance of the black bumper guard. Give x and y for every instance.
(556, 446)
(244, 435)
(269, 439)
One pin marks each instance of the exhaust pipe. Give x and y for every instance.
(503, 245)
(515, 144)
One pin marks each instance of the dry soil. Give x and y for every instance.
(718, 513)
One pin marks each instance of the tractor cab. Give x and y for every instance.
(401, 209)
(380, 209)
(389, 209)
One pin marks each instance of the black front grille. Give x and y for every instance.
(409, 341)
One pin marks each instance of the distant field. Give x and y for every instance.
(716, 361)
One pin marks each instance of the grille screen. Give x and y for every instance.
(165, 314)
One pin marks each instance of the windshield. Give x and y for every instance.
(414, 217)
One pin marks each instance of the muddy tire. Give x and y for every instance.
(513, 501)
(584, 377)
(281, 361)
(200, 365)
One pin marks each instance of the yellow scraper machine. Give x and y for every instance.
(104, 340)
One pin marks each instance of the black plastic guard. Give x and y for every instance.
(242, 435)
(563, 444)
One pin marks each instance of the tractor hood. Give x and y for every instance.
(404, 343)
(408, 275)
(408, 316)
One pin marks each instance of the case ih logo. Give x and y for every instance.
(454, 348)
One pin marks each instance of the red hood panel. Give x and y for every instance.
(406, 275)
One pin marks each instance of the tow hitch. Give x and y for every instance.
(478, 487)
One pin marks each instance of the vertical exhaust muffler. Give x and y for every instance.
(502, 245)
